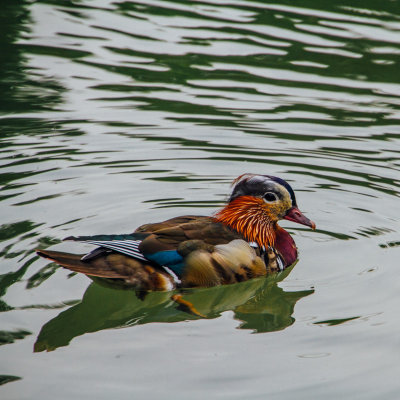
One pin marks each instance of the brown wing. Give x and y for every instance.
(173, 233)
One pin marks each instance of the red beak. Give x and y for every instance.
(295, 215)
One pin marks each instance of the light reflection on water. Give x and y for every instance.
(117, 114)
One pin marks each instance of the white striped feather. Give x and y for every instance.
(127, 247)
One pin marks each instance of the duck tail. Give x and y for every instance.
(133, 273)
(74, 263)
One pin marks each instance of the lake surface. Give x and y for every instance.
(114, 114)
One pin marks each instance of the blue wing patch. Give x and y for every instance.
(169, 258)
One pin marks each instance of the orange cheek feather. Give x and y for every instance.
(249, 216)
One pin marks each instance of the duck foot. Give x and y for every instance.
(186, 306)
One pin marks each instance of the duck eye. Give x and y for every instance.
(269, 196)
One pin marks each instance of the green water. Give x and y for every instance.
(114, 114)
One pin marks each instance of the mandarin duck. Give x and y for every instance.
(240, 241)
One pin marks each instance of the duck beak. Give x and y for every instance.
(295, 215)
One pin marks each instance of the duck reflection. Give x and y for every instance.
(260, 304)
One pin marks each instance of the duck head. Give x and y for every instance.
(255, 206)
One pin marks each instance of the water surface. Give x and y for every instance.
(114, 114)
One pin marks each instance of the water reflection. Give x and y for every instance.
(23, 88)
(8, 378)
(260, 304)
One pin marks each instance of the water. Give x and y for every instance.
(114, 114)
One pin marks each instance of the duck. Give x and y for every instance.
(240, 241)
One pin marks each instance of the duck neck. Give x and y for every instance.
(286, 246)
(248, 216)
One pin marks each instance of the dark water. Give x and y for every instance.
(114, 114)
